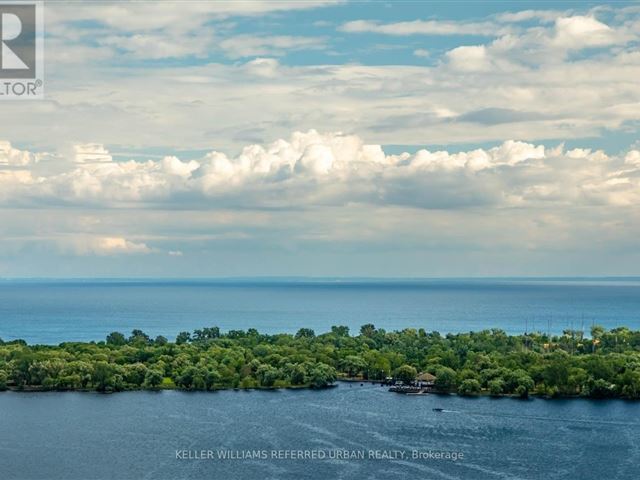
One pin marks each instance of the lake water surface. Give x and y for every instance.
(140, 435)
(57, 311)
(135, 435)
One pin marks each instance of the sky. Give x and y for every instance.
(328, 138)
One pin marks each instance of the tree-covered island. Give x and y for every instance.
(607, 364)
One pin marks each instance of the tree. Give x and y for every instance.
(187, 377)
(102, 377)
(597, 332)
(496, 386)
(211, 378)
(305, 333)
(378, 366)
(45, 372)
(353, 365)
(298, 375)
(199, 380)
(630, 382)
(514, 378)
(322, 375)
(19, 368)
(116, 339)
(556, 373)
(206, 334)
(470, 386)
(182, 338)
(236, 334)
(406, 373)
(248, 382)
(139, 337)
(340, 331)
(77, 374)
(267, 375)
(153, 379)
(445, 379)
(368, 330)
(599, 367)
(577, 379)
(211, 333)
(600, 388)
(524, 385)
(135, 374)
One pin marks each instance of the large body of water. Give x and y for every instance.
(57, 311)
(135, 435)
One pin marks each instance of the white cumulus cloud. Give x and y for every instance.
(102, 246)
(314, 169)
(14, 157)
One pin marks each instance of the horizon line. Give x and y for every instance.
(320, 278)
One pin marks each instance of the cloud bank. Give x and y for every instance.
(153, 152)
(163, 76)
(326, 203)
(311, 169)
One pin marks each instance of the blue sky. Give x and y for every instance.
(328, 138)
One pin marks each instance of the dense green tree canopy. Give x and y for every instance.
(605, 365)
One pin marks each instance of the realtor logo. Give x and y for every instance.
(21, 40)
(18, 33)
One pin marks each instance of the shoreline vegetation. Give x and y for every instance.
(488, 362)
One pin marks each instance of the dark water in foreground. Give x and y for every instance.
(53, 312)
(135, 435)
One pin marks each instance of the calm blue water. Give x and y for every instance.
(52, 312)
(82, 436)
(135, 435)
